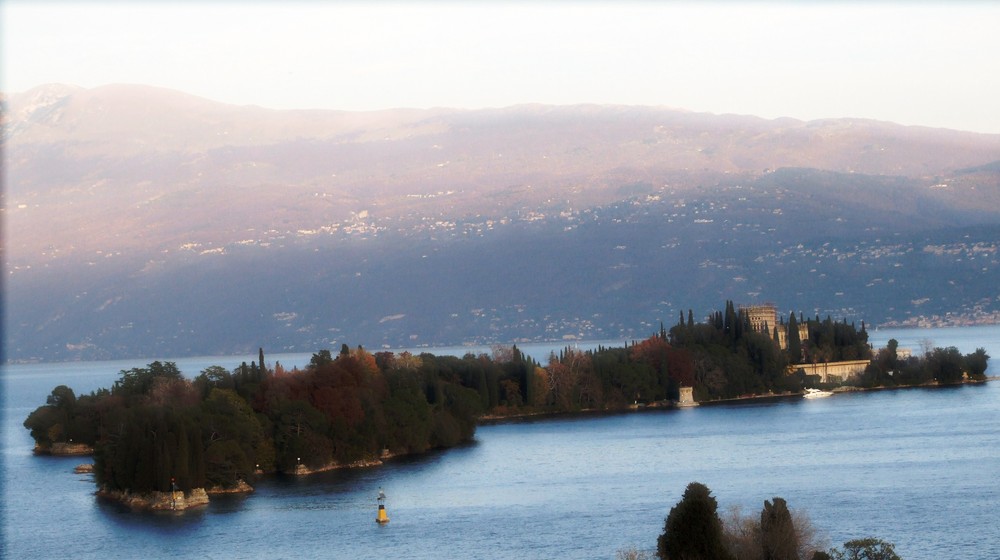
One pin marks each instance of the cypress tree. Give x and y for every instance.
(777, 532)
(794, 343)
(743, 324)
(729, 321)
(692, 529)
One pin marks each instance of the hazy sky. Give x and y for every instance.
(922, 63)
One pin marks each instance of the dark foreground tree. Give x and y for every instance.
(778, 539)
(692, 529)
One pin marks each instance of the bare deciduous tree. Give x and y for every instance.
(633, 553)
(744, 541)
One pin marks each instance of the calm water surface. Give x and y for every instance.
(917, 467)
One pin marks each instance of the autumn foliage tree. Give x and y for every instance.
(154, 428)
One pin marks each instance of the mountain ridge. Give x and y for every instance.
(114, 191)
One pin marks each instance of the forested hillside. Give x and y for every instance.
(144, 222)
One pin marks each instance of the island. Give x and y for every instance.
(160, 440)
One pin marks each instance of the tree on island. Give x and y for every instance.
(137, 382)
(222, 426)
(155, 430)
(50, 424)
(794, 341)
(936, 365)
(976, 364)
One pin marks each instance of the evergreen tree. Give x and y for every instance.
(729, 322)
(778, 539)
(976, 364)
(322, 358)
(794, 343)
(692, 529)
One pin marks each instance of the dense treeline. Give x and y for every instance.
(154, 429)
(936, 365)
(613, 378)
(732, 359)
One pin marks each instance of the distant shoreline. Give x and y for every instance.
(494, 419)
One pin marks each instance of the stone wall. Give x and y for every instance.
(833, 371)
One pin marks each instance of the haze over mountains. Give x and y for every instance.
(143, 222)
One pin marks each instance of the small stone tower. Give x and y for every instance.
(687, 397)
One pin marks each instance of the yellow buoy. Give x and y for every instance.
(382, 518)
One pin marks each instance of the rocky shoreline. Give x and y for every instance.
(180, 501)
(158, 501)
(303, 470)
(241, 488)
(66, 449)
(171, 501)
(661, 405)
(198, 497)
(928, 385)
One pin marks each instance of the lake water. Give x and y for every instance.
(916, 467)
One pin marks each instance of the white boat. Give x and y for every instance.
(816, 394)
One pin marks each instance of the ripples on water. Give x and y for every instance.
(917, 467)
